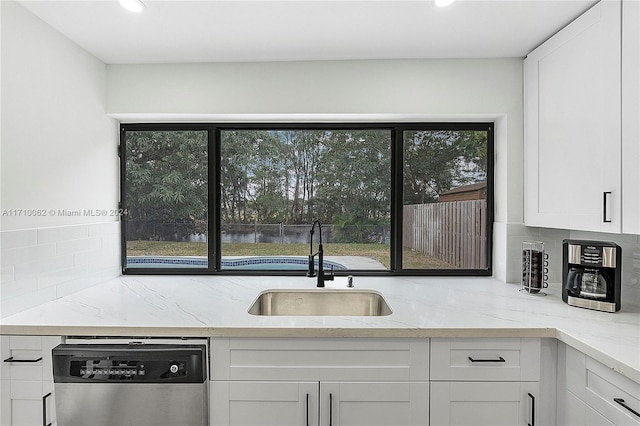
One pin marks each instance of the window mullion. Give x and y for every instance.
(214, 237)
(396, 198)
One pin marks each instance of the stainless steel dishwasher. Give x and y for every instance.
(130, 384)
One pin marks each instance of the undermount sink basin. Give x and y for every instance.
(320, 302)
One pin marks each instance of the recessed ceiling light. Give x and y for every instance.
(443, 3)
(132, 5)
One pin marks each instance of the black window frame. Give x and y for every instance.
(397, 130)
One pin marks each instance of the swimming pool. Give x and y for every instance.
(280, 263)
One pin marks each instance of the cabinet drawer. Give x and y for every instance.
(319, 359)
(612, 395)
(485, 359)
(27, 357)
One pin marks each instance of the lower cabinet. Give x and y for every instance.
(374, 404)
(369, 382)
(319, 403)
(483, 403)
(27, 397)
(257, 403)
(591, 394)
(485, 382)
(319, 382)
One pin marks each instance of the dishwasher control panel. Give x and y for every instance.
(134, 363)
(121, 369)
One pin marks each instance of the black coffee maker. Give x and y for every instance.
(591, 274)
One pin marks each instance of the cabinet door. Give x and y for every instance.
(573, 125)
(250, 403)
(27, 383)
(631, 117)
(27, 403)
(483, 403)
(372, 404)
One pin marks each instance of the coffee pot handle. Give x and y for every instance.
(574, 280)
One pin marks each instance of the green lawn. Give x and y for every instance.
(379, 252)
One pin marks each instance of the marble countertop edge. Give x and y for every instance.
(165, 331)
(615, 364)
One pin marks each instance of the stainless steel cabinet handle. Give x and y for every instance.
(533, 410)
(605, 196)
(44, 410)
(500, 359)
(624, 404)
(12, 359)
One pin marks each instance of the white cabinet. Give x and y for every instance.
(257, 403)
(483, 403)
(592, 394)
(573, 130)
(374, 403)
(614, 396)
(631, 116)
(485, 381)
(27, 383)
(319, 381)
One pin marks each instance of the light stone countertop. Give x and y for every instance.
(211, 306)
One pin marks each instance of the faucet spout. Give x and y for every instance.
(322, 277)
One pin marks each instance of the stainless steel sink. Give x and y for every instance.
(321, 302)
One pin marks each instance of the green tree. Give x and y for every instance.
(436, 161)
(166, 180)
(353, 174)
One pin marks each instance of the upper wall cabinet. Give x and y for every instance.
(631, 117)
(573, 130)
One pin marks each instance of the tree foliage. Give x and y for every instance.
(340, 177)
(438, 161)
(166, 182)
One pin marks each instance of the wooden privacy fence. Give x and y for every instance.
(454, 232)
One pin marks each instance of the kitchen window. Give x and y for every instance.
(413, 199)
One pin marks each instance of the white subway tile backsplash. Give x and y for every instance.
(6, 274)
(73, 286)
(40, 265)
(17, 255)
(78, 246)
(96, 259)
(100, 229)
(14, 239)
(61, 276)
(18, 288)
(62, 233)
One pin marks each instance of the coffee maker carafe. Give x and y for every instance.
(591, 274)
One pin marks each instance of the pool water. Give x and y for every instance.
(281, 263)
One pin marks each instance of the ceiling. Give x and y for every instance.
(266, 30)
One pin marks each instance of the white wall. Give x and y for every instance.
(407, 90)
(58, 152)
(57, 142)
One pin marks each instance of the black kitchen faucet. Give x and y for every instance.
(312, 272)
